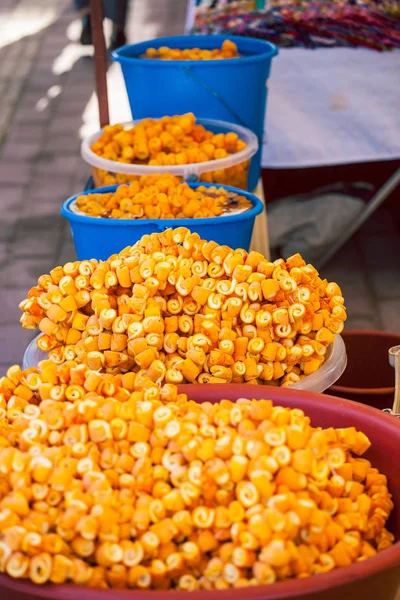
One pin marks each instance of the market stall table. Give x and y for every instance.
(334, 107)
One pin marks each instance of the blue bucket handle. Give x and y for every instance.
(205, 85)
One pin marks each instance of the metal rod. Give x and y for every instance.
(396, 404)
(394, 359)
(379, 197)
(100, 60)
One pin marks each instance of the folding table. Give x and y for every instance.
(334, 106)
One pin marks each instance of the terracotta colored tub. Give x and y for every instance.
(368, 378)
(375, 579)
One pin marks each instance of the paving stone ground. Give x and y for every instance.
(46, 87)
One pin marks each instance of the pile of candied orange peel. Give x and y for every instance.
(181, 309)
(168, 141)
(161, 197)
(228, 50)
(110, 481)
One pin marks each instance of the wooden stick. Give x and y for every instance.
(100, 60)
(260, 238)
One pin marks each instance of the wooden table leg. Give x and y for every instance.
(260, 239)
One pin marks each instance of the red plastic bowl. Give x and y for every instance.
(377, 578)
(369, 378)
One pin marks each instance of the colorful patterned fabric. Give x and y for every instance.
(309, 24)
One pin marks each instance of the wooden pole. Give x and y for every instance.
(100, 60)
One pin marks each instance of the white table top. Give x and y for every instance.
(332, 106)
(325, 106)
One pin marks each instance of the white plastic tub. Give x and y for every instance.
(321, 380)
(331, 370)
(232, 170)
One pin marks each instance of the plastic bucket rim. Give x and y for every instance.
(283, 590)
(358, 391)
(363, 391)
(163, 224)
(369, 332)
(119, 56)
(244, 155)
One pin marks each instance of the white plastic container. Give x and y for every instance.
(321, 380)
(232, 170)
(333, 367)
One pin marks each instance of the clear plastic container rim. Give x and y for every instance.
(319, 381)
(179, 170)
(332, 369)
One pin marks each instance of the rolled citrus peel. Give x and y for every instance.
(181, 309)
(166, 142)
(228, 50)
(112, 482)
(161, 197)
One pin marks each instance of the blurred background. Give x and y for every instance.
(332, 132)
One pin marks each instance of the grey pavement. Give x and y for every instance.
(46, 83)
(46, 99)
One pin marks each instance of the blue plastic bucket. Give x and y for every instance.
(100, 238)
(232, 90)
